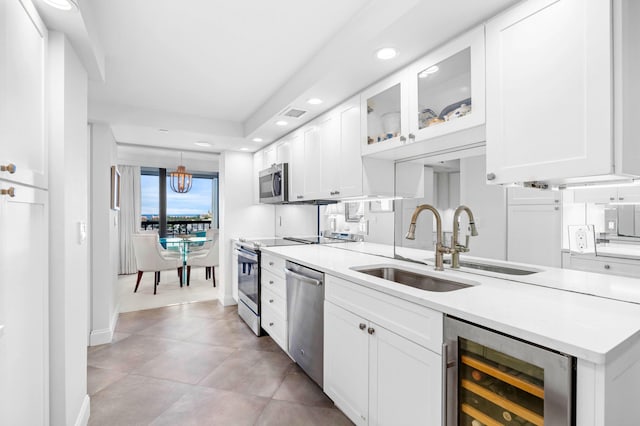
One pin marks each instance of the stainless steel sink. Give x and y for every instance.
(412, 279)
(508, 270)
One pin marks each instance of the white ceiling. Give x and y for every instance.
(222, 72)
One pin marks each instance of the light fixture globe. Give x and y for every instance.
(180, 181)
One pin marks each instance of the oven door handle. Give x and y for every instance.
(301, 277)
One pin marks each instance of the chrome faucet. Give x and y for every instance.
(411, 235)
(456, 248)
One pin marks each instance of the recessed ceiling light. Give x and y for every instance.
(386, 53)
(244, 149)
(62, 4)
(257, 139)
(431, 70)
(202, 143)
(281, 123)
(163, 130)
(314, 101)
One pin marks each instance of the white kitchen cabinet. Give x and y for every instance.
(23, 139)
(378, 348)
(234, 271)
(273, 289)
(630, 194)
(550, 94)
(269, 156)
(601, 264)
(368, 367)
(329, 159)
(24, 301)
(533, 196)
(257, 167)
(312, 161)
(296, 167)
(430, 106)
(283, 151)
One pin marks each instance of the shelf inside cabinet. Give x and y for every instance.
(503, 376)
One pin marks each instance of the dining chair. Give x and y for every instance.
(209, 257)
(149, 258)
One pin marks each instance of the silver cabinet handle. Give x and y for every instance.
(270, 300)
(299, 197)
(412, 137)
(621, 198)
(371, 330)
(403, 139)
(491, 176)
(271, 263)
(270, 282)
(270, 324)
(11, 192)
(611, 198)
(362, 326)
(607, 266)
(11, 168)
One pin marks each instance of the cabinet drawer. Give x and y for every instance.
(273, 282)
(274, 302)
(417, 323)
(272, 263)
(604, 267)
(276, 326)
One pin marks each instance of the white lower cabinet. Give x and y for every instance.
(375, 375)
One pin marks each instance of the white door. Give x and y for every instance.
(549, 85)
(296, 168)
(406, 381)
(312, 163)
(24, 306)
(346, 366)
(533, 234)
(329, 129)
(23, 42)
(350, 159)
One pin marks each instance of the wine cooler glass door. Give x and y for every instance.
(494, 379)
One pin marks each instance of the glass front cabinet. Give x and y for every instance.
(436, 97)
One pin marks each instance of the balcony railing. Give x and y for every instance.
(177, 227)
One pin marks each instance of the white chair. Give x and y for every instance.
(165, 252)
(209, 257)
(149, 258)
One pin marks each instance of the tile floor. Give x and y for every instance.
(199, 364)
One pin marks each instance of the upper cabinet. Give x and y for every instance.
(429, 106)
(550, 92)
(23, 138)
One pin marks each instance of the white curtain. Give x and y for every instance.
(129, 216)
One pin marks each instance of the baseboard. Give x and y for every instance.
(105, 335)
(227, 301)
(85, 411)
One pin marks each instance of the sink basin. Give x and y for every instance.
(412, 279)
(508, 270)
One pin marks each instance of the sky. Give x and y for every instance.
(195, 202)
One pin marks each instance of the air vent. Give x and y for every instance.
(295, 113)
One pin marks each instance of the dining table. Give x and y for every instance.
(185, 245)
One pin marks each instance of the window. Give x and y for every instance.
(191, 212)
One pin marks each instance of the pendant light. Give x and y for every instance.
(181, 180)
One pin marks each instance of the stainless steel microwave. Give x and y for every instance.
(273, 184)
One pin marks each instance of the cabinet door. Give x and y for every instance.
(257, 167)
(350, 159)
(296, 168)
(283, 151)
(629, 194)
(595, 195)
(447, 89)
(269, 156)
(24, 306)
(384, 114)
(532, 196)
(533, 235)
(346, 366)
(406, 381)
(329, 133)
(312, 163)
(23, 41)
(234, 272)
(549, 85)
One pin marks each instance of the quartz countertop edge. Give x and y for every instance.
(592, 328)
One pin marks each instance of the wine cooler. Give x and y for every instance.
(493, 379)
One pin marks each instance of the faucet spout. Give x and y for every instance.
(411, 234)
(455, 247)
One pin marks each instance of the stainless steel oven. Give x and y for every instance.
(492, 379)
(249, 287)
(273, 184)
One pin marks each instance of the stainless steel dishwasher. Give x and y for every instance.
(305, 312)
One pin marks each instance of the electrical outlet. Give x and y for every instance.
(581, 239)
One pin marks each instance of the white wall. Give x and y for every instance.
(167, 158)
(488, 204)
(239, 217)
(296, 220)
(103, 236)
(69, 255)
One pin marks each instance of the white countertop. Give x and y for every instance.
(592, 328)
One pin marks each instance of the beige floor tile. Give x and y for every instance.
(204, 406)
(130, 353)
(134, 400)
(284, 413)
(185, 362)
(298, 387)
(100, 378)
